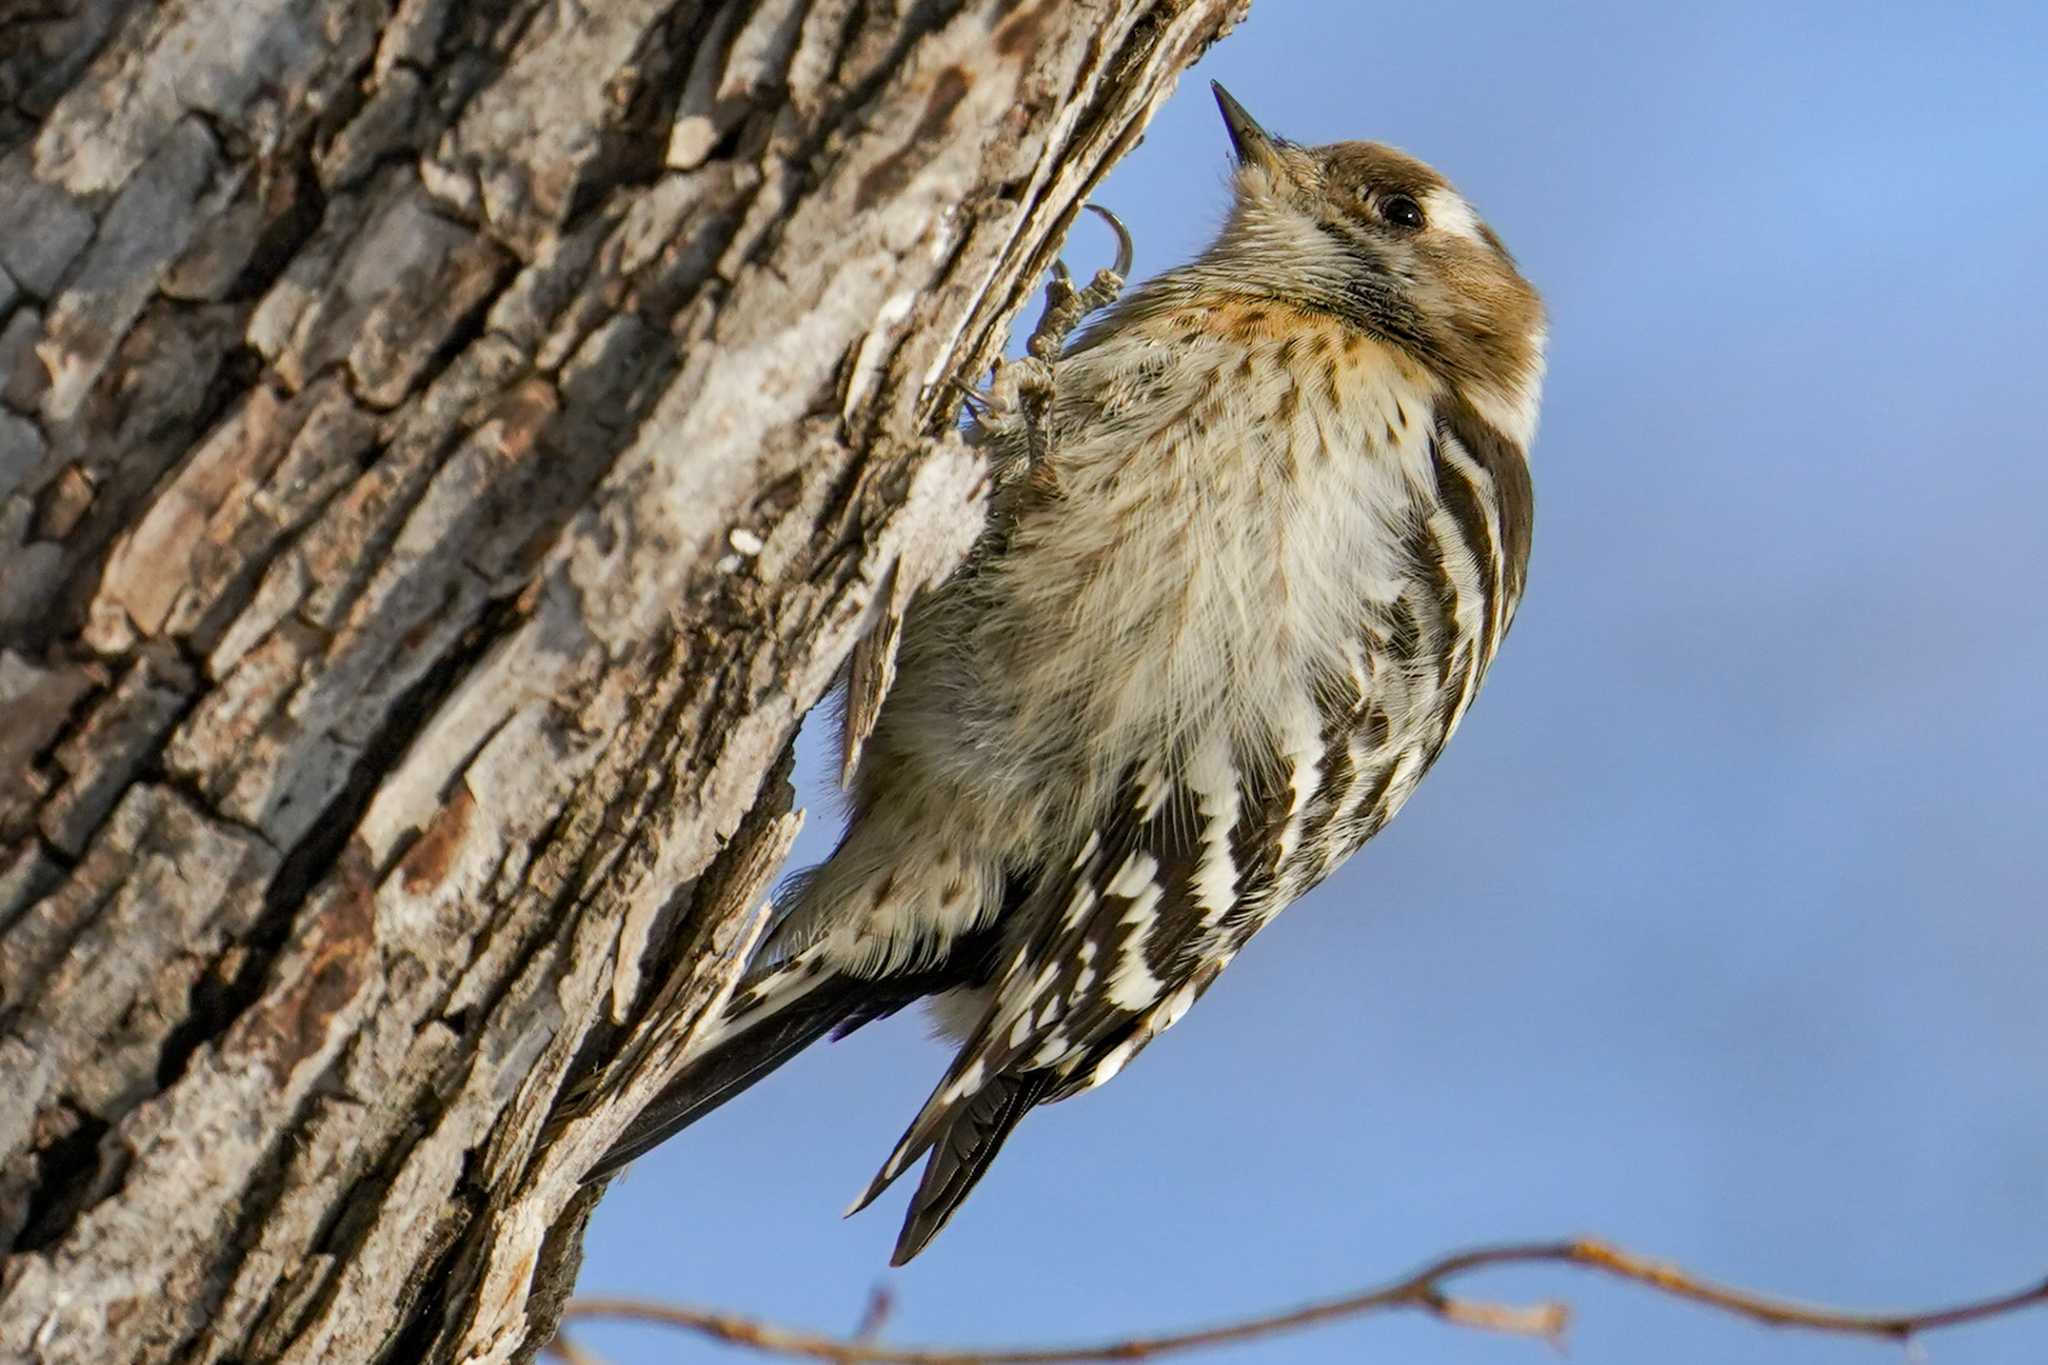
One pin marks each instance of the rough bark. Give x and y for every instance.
(445, 448)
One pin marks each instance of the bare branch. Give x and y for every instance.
(569, 1353)
(875, 1316)
(1423, 1291)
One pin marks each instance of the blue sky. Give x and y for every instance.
(1719, 929)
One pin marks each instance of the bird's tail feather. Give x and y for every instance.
(789, 1005)
(770, 1019)
(962, 1146)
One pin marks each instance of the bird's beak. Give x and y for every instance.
(1254, 145)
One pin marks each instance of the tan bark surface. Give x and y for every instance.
(444, 450)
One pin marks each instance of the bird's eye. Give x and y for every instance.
(1401, 211)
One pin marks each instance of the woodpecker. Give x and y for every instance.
(1255, 537)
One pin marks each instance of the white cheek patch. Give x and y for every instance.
(1445, 210)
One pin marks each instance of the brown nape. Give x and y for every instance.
(1495, 315)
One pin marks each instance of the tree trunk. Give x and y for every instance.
(445, 448)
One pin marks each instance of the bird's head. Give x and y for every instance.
(1375, 238)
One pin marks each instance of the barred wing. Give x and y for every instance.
(1124, 941)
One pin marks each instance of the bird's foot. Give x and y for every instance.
(1021, 391)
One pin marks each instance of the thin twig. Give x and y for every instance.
(875, 1316)
(1421, 1291)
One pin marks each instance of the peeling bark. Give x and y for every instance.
(445, 448)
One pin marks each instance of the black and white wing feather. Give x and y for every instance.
(1121, 941)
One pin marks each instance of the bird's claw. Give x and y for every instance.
(1065, 305)
(1022, 391)
(978, 406)
(1124, 253)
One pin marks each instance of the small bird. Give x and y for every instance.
(1254, 538)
